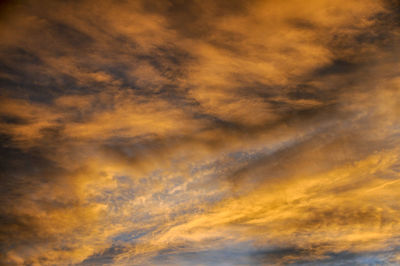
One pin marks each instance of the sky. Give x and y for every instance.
(200, 132)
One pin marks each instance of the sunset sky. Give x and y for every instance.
(200, 132)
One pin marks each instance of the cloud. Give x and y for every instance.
(238, 132)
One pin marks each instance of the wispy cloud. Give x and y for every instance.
(199, 132)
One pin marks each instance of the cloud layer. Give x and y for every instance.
(199, 132)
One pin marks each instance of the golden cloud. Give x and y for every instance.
(200, 132)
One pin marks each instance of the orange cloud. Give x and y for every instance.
(200, 132)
